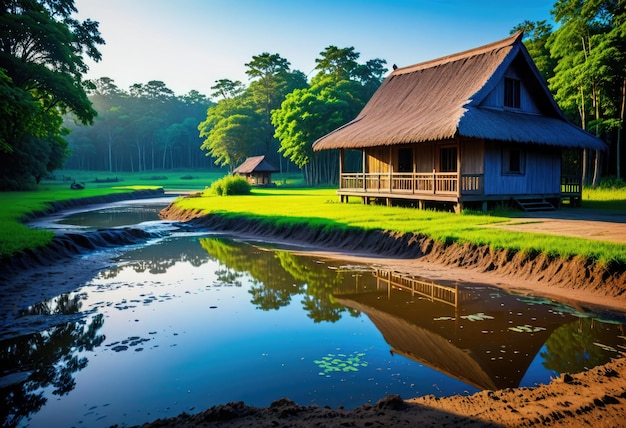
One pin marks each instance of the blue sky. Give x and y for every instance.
(189, 44)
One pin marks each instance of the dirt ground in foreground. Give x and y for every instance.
(595, 398)
(577, 222)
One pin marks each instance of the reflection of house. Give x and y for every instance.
(469, 128)
(257, 170)
(440, 334)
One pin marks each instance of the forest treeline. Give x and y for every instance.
(279, 112)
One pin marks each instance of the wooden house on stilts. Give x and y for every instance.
(471, 128)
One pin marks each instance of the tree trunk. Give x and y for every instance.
(596, 169)
(619, 131)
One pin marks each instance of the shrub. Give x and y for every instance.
(231, 185)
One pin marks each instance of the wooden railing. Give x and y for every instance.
(442, 183)
(430, 290)
(571, 185)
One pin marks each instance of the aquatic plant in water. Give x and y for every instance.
(480, 316)
(527, 328)
(340, 363)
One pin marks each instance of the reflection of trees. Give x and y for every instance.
(50, 359)
(580, 345)
(321, 282)
(158, 258)
(272, 287)
(61, 305)
(279, 275)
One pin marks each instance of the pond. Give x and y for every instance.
(193, 319)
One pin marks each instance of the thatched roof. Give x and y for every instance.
(255, 164)
(441, 99)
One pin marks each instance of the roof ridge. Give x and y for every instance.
(509, 41)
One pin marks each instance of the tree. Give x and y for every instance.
(589, 77)
(273, 81)
(41, 59)
(308, 114)
(336, 95)
(230, 130)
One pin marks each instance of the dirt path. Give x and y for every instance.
(608, 225)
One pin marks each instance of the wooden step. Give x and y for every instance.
(528, 205)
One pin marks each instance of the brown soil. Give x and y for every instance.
(596, 397)
(574, 279)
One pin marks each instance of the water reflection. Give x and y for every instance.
(151, 259)
(280, 275)
(45, 360)
(298, 327)
(480, 335)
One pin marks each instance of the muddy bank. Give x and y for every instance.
(70, 244)
(552, 273)
(593, 398)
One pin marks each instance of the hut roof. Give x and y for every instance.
(255, 164)
(441, 99)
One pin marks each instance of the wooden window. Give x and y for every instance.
(405, 160)
(447, 159)
(513, 161)
(511, 93)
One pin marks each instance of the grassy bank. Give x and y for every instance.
(322, 209)
(15, 236)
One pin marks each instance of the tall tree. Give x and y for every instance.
(271, 79)
(590, 66)
(230, 129)
(336, 95)
(41, 59)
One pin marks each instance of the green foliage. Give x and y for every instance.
(308, 114)
(231, 185)
(146, 128)
(41, 64)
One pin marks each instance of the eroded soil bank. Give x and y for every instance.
(70, 244)
(539, 272)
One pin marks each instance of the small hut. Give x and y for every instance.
(475, 127)
(257, 170)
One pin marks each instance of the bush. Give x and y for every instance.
(231, 185)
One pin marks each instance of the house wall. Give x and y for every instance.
(542, 171)
(495, 98)
(426, 156)
(377, 159)
(472, 156)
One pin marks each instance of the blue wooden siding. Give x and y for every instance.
(542, 172)
(495, 99)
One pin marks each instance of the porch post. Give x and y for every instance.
(390, 169)
(458, 169)
(341, 160)
(363, 161)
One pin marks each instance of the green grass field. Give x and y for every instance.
(317, 207)
(321, 207)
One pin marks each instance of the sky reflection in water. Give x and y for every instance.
(192, 321)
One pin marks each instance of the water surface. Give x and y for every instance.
(195, 319)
